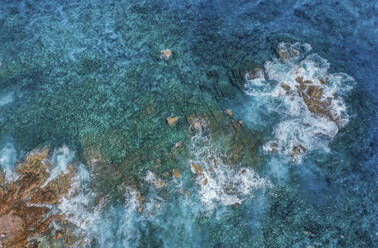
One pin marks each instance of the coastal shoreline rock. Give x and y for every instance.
(25, 202)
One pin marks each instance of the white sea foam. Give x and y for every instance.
(219, 183)
(6, 99)
(8, 159)
(298, 125)
(113, 226)
(60, 159)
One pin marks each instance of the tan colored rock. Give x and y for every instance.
(172, 121)
(299, 79)
(284, 55)
(198, 169)
(197, 125)
(178, 144)
(176, 173)
(159, 184)
(166, 54)
(295, 53)
(228, 112)
(140, 197)
(216, 163)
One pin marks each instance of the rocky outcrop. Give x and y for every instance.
(172, 121)
(312, 95)
(25, 203)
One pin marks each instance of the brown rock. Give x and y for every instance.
(178, 144)
(285, 87)
(315, 92)
(197, 168)
(59, 235)
(216, 163)
(284, 55)
(297, 150)
(159, 184)
(176, 173)
(166, 54)
(172, 121)
(228, 112)
(21, 218)
(307, 82)
(11, 227)
(303, 86)
(294, 52)
(299, 79)
(140, 198)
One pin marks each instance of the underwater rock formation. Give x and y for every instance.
(26, 202)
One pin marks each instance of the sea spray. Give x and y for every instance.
(61, 158)
(218, 182)
(307, 99)
(8, 159)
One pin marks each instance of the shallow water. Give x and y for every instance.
(87, 78)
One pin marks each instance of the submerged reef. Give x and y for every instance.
(202, 123)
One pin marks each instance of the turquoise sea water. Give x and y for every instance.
(87, 78)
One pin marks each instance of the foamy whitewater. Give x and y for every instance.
(219, 183)
(271, 147)
(8, 159)
(297, 125)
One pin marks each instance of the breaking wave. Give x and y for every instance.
(218, 182)
(307, 98)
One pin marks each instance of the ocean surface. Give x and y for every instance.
(276, 139)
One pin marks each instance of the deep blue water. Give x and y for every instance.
(82, 73)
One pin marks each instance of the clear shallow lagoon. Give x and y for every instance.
(87, 79)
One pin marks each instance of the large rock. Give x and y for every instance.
(172, 121)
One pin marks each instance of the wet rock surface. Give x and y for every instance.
(26, 202)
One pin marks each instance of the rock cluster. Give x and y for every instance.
(312, 95)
